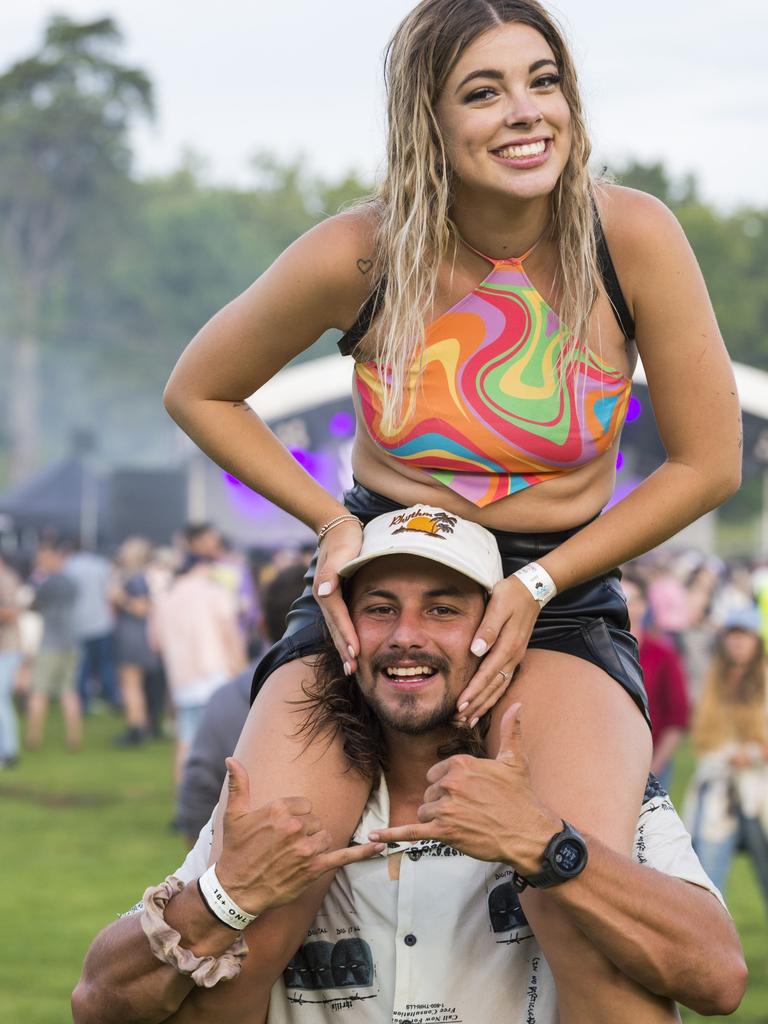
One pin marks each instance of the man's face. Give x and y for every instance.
(415, 620)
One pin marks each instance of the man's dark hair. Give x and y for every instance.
(193, 531)
(334, 705)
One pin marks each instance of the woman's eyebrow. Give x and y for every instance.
(499, 75)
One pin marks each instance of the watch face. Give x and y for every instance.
(568, 857)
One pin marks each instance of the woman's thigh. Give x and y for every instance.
(588, 746)
(281, 762)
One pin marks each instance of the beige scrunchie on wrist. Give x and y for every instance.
(205, 971)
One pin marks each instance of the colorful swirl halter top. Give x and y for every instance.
(488, 410)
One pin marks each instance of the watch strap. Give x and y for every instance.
(549, 875)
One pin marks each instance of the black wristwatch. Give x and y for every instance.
(564, 857)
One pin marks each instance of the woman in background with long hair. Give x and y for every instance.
(727, 802)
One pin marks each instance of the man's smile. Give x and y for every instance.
(408, 676)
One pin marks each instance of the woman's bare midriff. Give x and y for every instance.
(559, 504)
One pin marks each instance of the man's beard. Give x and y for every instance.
(408, 716)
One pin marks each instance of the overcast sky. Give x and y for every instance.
(683, 81)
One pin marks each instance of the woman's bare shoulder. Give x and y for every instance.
(634, 221)
(643, 235)
(341, 247)
(631, 217)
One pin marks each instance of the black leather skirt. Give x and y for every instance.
(589, 621)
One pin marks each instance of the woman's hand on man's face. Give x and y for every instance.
(339, 546)
(501, 641)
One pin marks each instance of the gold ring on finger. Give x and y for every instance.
(504, 675)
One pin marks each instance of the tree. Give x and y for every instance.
(64, 117)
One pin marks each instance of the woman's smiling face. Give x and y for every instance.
(505, 121)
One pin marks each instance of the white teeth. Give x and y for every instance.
(530, 149)
(417, 670)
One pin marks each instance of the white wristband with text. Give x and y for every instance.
(221, 903)
(537, 582)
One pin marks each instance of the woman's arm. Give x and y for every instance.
(691, 386)
(316, 284)
(313, 286)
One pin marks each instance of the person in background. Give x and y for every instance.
(130, 596)
(668, 600)
(702, 584)
(665, 683)
(94, 625)
(53, 671)
(224, 716)
(727, 802)
(10, 660)
(760, 588)
(194, 626)
(203, 540)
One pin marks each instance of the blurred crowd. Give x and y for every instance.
(150, 634)
(166, 638)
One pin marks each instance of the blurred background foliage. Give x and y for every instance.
(105, 275)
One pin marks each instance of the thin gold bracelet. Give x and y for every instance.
(347, 518)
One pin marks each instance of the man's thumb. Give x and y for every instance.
(238, 786)
(510, 736)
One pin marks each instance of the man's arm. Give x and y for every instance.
(270, 855)
(123, 982)
(673, 938)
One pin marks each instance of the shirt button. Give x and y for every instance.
(410, 940)
(414, 855)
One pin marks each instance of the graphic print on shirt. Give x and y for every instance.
(660, 803)
(532, 991)
(334, 972)
(508, 922)
(428, 1013)
(491, 405)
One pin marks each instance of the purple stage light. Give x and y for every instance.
(306, 460)
(619, 461)
(341, 424)
(242, 500)
(634, 409)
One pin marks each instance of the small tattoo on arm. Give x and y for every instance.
(240, 405)
(364, 266)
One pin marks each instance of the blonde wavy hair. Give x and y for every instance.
(414, 232)
(732, 706)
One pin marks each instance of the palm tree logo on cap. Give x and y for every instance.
(433, 523)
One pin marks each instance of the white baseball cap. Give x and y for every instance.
(427, 532)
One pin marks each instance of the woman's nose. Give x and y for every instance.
(522, 112)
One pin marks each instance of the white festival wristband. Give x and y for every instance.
(537, 582)
(220, 903)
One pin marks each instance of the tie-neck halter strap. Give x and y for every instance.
(506, 259)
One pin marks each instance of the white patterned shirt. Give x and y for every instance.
(422, 934)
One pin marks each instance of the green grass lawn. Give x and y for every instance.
(83, 834)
